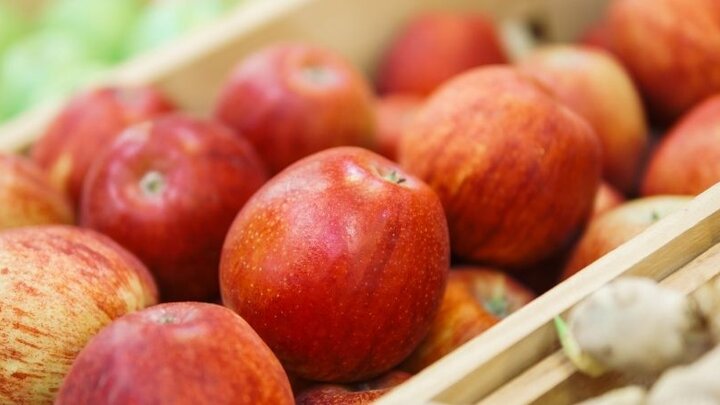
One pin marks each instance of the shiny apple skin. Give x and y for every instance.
(27, 197)
(339, 263)
(687, 159)
(607, 198)
(292, 100)
(393, 113)
(59, 285)
(206, 175)
(176, 353)
(594, 84)
(516, 170)
(434, 47)
(86, 125)
(671, 48)
(617, 226)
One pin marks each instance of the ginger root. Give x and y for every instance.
(634, 325)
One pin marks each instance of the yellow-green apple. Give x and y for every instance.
(593, 84)
(617, 226)
(168, 190)
(475, 299)
(176, 353)
(59, 285)
(435, 46)
(672, 49)
(292, 100)
(86, 125)
(363, 393)
(515, 169)
(606, 199)
(27, 197)
(339, 263)
(393, 112)
(687, 160)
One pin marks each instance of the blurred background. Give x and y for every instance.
(49, 48)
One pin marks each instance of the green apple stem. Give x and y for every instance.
(498, 306)
(393, 177)
(574, 352)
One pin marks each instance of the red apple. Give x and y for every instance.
(598, 35)
(168, 190)
(294, 100)
(363, 393)
(516, 170)
(178, 353)
(90, 122)
(617, 226)
(26, 196)
(687, 160)
(339, 263)
(59, 286)
(606, 199)
(594, 85)
(435, 46)
(672, 49)
(475, 299)
(394, 111)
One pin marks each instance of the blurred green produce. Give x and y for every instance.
(102, 26)
(42, 66)
(12, 26)
(72, 41)
(165, 20)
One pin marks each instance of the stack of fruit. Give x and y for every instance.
(69, 42)
(333, 263)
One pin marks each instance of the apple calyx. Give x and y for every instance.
(165, 319)
(497, 305)
(318, 74)
(654, 216)
(152, 184)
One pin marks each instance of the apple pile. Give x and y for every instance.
(354, 232)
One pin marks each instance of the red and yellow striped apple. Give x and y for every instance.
(59, 285)
(27, 197)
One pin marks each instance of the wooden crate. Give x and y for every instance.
(517, 361)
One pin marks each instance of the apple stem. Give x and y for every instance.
(654, 216)
(152, 183)
(393, 176)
